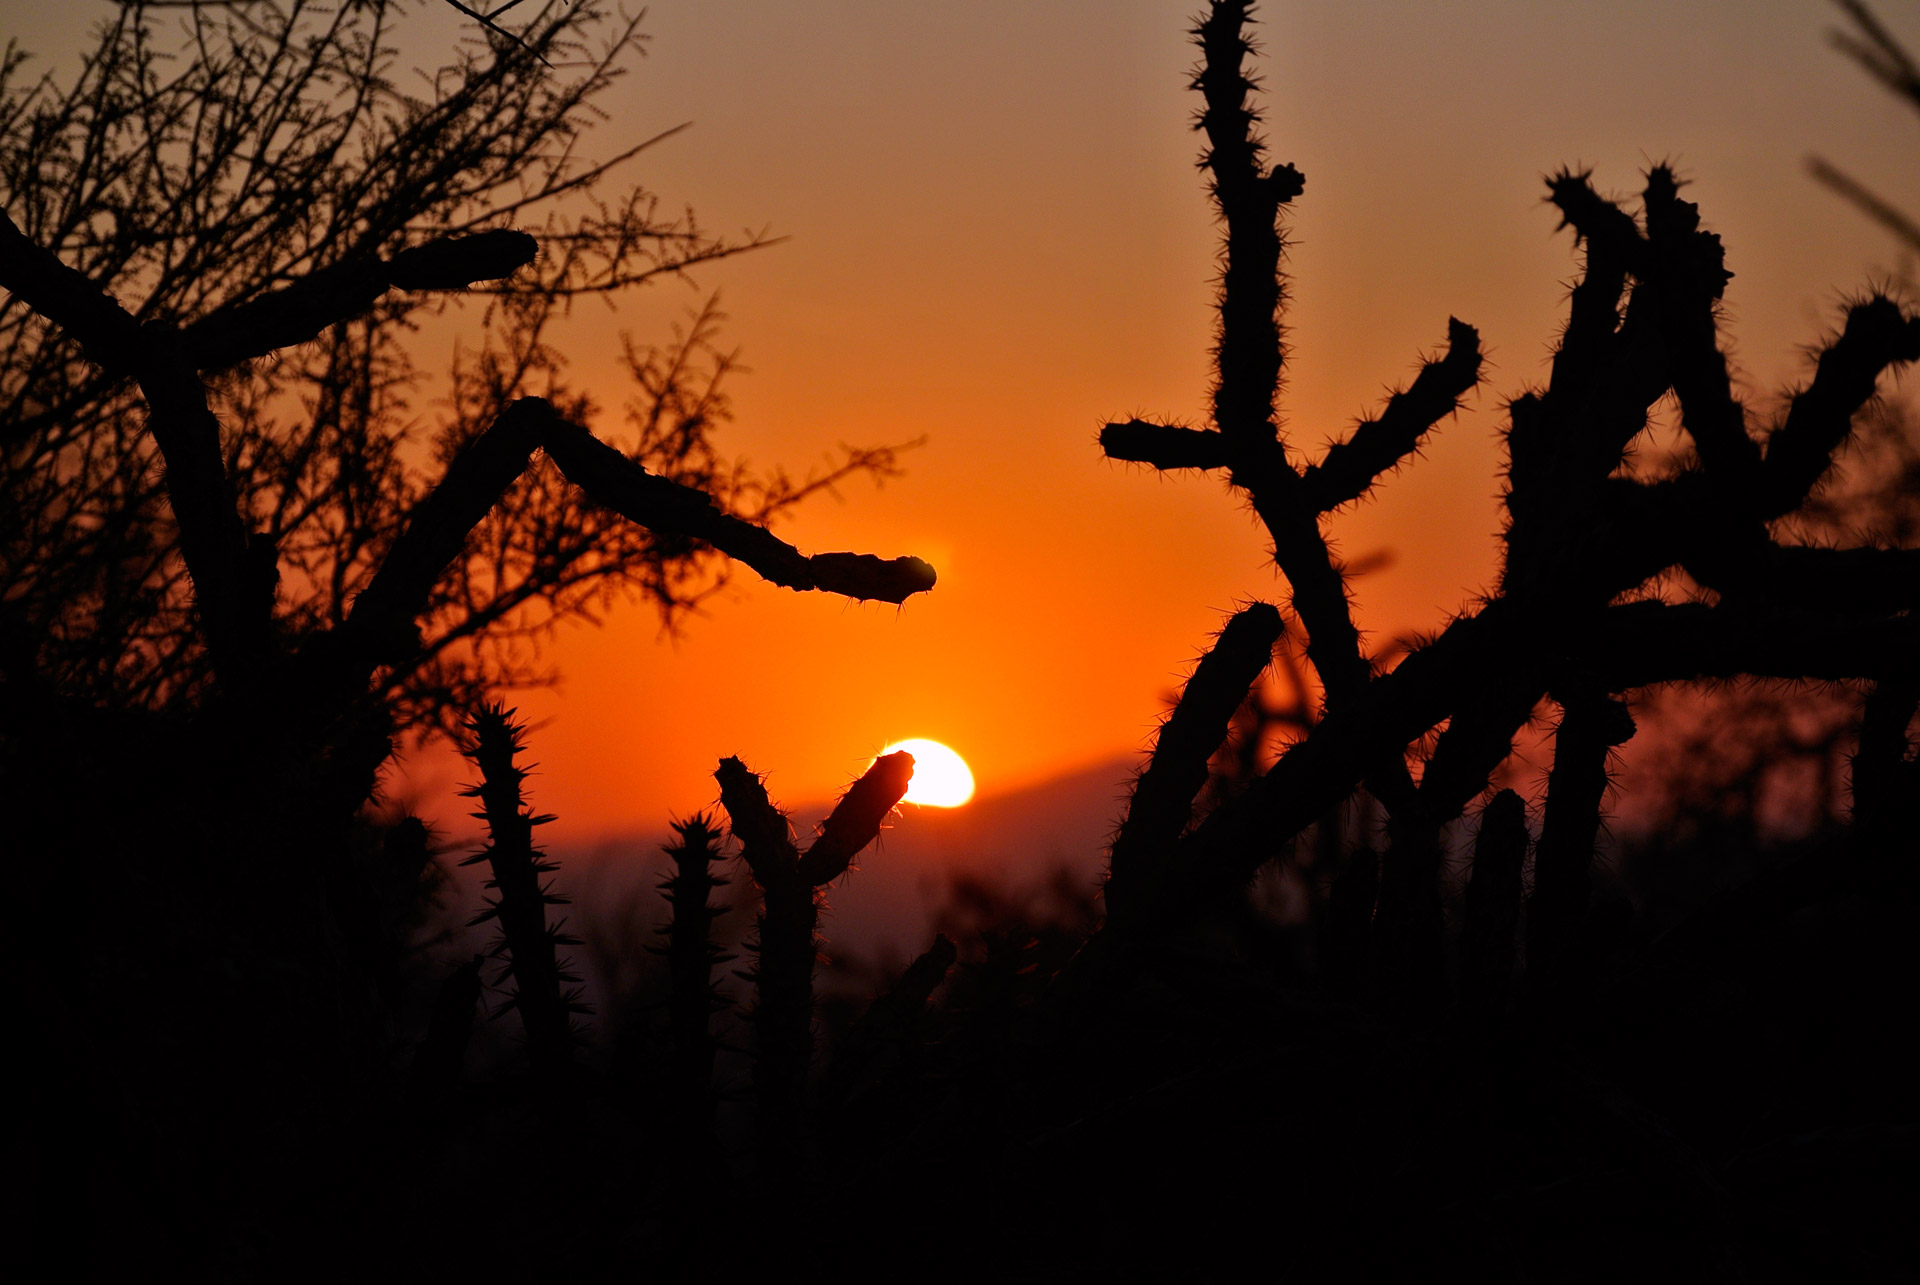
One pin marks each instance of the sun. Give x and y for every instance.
(941, 778)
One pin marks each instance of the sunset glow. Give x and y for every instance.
(941, 778)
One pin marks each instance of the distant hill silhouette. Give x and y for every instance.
(881, 910)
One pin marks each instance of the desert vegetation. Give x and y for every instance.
(230, 587)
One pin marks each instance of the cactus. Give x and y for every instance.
(691, 957)
(1162, 802)
(790, 886)
(545, 992)
(1557, 931)
(1581, 539)
(1487, 939)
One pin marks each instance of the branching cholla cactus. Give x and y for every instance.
(544, 991)
(790, 885)
(1571, 620)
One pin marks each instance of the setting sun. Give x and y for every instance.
(941, 778)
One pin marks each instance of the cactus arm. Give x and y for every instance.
(1162, 801)
(1165, 446)
(856, 819)
(1479, 736)
(1813, 580)
(1351, 467)
(1626, 646)
(662, 504)
(1864, 199)
(1250, 353)
(1614, 249)
(1643, 643)
(1591, 724)
(1877, 335)
(1693, 280)
(765, 834)
(1493, 907)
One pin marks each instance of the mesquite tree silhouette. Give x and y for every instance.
(212, 513)
(251, 182)
(230, 580)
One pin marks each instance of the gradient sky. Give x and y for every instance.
(997, 239)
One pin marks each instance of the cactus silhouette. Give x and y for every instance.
(691, 958)
(545, 993)
(790, 885)
(1643, 324)
(1115, 1088)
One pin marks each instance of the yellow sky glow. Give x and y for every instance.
(941, 778)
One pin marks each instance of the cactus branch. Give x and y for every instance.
(1162, 802)
(765, 834)
(1165, 446)
(1591, 725)
(1250, 351)
(526, 939)
(855, 821)
(787, 946)
(1800, 451)
(1351, 467)
(1493, 908)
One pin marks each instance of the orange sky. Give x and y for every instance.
(998, 240)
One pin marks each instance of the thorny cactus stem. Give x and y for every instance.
(1591, 724)
(1249, 358)
(690, 960)
(1493, 908)
(521, 908)
(1162, 802)
(790, 909)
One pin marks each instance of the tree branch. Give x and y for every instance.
(300, 312)
(660, 504)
